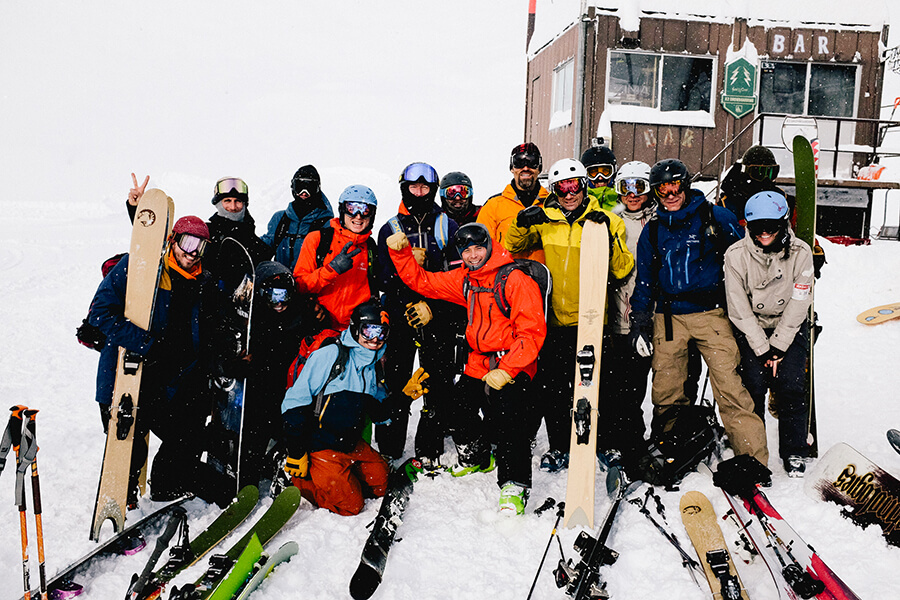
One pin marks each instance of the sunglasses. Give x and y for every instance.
(419, 170)
(531, 161)
(604, 171)
(358, 209)
(463, 192)
(231, 184)
(191, 244)
(375, 332)
(668, 189)
(761, 172)
(568, 186)
(276, 295)
(310, 186)
(632, 185)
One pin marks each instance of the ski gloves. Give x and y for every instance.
(641, 334)
(343, 262)
(418, 314)
(415, 388)
(397, 241)
(533, 215)
(297, 467)
(497, 378)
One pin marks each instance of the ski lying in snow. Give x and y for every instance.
(893, 436)
(281, 511)
(702, 527)
(129, 541)
(871, 494)
(264, 566)
(374, 555)
(879, 314)
(184, 554)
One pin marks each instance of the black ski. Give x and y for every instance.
(893, 436)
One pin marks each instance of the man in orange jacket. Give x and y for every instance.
(502, 360)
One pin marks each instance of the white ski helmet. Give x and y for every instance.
(567, 168)
(633, 177)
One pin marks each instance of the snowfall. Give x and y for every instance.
(190, 92)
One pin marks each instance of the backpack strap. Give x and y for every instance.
(372, 270)
(394, 223)
(441, 230)
(340, 364)
(281, 230)
(326, 235)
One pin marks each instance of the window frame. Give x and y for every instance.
(563, 82)
(808, 77)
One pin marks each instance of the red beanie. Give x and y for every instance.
(191, 225)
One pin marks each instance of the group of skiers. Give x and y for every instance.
(339, 318)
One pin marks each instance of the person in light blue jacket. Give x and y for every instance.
(309, 211)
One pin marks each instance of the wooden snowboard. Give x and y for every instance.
(594, 270)
(702, 527)
(152, 225)
(879, 314)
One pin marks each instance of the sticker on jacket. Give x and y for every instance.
(801, 291)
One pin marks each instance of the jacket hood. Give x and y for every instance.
(361, 355)
(499, 256)
(359, 239)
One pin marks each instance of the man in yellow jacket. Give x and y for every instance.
(557, 228)
(525, 164)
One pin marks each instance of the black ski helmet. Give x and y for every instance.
(455, 178)
(473, 234)
(669, 170)
(369, 312)
(598, 155)
(306, 179)
(528, 152)
(418, 172)
(276, 283)
(759, 163)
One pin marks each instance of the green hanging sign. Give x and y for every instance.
(738, 97)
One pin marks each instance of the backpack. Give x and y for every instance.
(441, 228)
(281, 232)
(326, 236)
(689, 437)
(534, 269)
(88, 335)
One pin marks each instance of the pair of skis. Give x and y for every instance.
(20, 436)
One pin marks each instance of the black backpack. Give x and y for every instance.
(534, 269)
(691, 435)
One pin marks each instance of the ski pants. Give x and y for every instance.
(789, 387)
(435, 343)
(623, 387)
(712, 332)
(340, 481)
(508, 409)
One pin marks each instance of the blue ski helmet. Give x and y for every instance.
(357, 199)
(765, 205)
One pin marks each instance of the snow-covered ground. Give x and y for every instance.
(189, 93)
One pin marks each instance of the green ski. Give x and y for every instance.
(242, 568)
(265, 566)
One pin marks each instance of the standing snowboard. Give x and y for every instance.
(805, 180)
(591, 311)
(871, 494)
(879, 314)
(225, 428)
(152, 225)
(702, 527)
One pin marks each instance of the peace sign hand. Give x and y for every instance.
(135, 193)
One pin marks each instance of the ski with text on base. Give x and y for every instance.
(702, 527)
(893, 436)
(869, 493)
(220, 565)
(797, 569)
(805, 170)
(183, 554)
(152, 226)
(879, 314)
(370, 571)
(225, 427)
(594, 269)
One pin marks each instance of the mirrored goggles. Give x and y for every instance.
(760, 226)
(667, 189)
(761, 172)
(276, 295)
(375, 332)
(521, 161)
(632, 185)
(568, 186)
(229, 184)
(463, 192)
(358, 209)
(419, 170)
(191, 244)
(604, 171)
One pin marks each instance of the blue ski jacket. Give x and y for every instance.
(294, 229)
(684, 271)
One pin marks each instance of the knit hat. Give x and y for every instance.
(191, 225)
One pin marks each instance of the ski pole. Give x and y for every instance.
(560, 511)
(15, 430)
(30, 431)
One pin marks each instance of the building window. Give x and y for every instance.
(563, 83)
(818, 90)
(660, 88)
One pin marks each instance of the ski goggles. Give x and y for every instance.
(191, 244)
(276, 295)
(462, 192)
(668, 189)
(603, 171)
(229, 185)
(373, 331)
(358, 209)
(568, 186)
(761, 172)
(632, 185)
(526, 160)
(761, 226)
(419, 170)
(299, 186)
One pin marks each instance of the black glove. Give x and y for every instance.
(533, 215)
(641, 334)
(818, 259)
(343, 262)
(597, 216)
(739, 475)
(105, 416)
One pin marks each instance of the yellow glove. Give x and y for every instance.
(418, 314)
(397, 241)
(297, 467)
(497, 378)
(414, 388)
(419, 255)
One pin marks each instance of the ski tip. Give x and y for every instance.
(364, 583)
(68, 590)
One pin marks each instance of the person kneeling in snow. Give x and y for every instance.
(325, 412)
